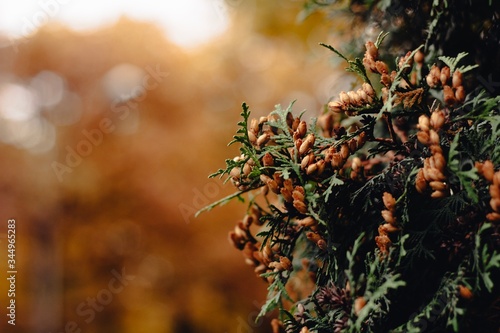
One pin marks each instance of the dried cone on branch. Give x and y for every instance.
(349, 101)
(432, 175)
(315, 188)
(451, 83)
(486, 169)
(389, 227)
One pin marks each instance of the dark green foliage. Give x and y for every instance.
(379, 216)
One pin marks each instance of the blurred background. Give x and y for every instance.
(112, 115)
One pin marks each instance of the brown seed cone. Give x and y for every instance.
(444, 75)
(273, 186)
(344, 98)
(287, 194)
(495, 191)
(457, 79)
(434, 137)
(353, 145)
(413, 78)
(306, 144)
(389, 201)
(438, 186)
(496, 178)
(297, 142)
(298, 193)
(362, 95)
(248, 220)
(335, 106)
(235, 173)
(307, 222)
(267, 255)
(431, 174)
(322, 244)
(356, 164)
(423, 123)
(344, 151)
(369, 63)
(359, 304)
(420, 183)
(424, 138)
(302, 129)
(268, 160)
(436, 149)
(409, 62)
(388, 228)
(321, 167)
(382, 67)
(263, 139)
(449, 95)
(495, 204)
(261, 269)
(383, 243)
(465, 292)
(313, 237)
(311, 169)
(488, 171)
(460, 94)
(286, 263)
(493, 217)
(371, 50)
(308, 159)
(337, 161)
(252, 137)
(361, 140)
(439, 161)
(388, 216)
(385, 79)
(433, 78)
(437, 120)
(438, 194)
(368, 89)
(354, 98)
(419, 57)
(254, 126)
(300, 206)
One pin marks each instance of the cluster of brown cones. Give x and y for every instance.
(486, 169)
(389, 227)
(432, 175)
(453, 90)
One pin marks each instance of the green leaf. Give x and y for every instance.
(334, 181)
(220, 202)
(380, 38)
(331, 48)
(355, 66)
(453, 62)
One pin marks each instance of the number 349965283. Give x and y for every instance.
(11, 235)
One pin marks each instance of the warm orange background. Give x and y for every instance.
(128, 206)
